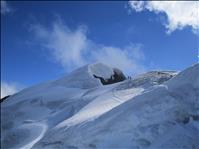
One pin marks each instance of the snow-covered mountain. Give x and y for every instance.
(87, 109)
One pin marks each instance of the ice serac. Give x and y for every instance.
(158, 109)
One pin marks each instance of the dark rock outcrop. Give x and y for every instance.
(118, 76)
(4, 98)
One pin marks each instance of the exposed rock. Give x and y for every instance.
(4, 98)
(118, 76)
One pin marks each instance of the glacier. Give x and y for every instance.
(154, 110)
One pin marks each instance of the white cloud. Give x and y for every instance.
(65, 45)
(9, 88)
(137, 5)
(179, 13)
(4, 7)
(72, 49)
(128, 59)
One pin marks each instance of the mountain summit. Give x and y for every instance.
(92, 75)
(97, 107)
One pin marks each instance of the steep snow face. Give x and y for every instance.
(80, 78)
(154, 110)
(189, 77)
(90, 76)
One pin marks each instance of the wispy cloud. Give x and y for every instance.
(65, 45)
(9, 88)
(179, 13)
(5, 8)
(129, 58)
(72, 48)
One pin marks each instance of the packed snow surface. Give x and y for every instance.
(155, 110)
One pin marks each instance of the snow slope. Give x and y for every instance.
(155, 110)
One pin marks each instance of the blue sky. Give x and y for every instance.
(42, 41)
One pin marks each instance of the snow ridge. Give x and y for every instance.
(158, 109)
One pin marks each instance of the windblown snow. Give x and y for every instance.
(155, 110)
